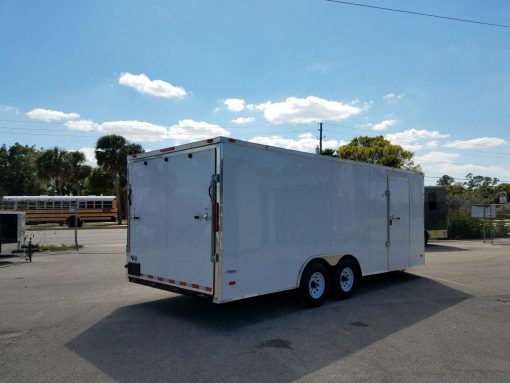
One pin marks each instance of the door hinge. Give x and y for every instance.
(387, 193)
(388, 243)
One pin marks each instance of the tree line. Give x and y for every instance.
(26, 170)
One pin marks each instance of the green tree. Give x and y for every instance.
(99, 183)
(329, 152)
(78, 173)
(53, 167)
(378, 150)
(111, 155)
(445, 180)
(18, 173)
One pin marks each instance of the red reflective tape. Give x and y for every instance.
(160, 278)
(195, 286)
(171, 281)
(210, 141)
(216, 217)
(182, 283)
(133, 156)
(231, 140)
(150, 276)
(208, 289)
(164, 150)
(231, 283)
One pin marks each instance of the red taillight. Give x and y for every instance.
(164, 150)
(210, 141)
(231, 283)
(216, 217)
(231, 140)
(133, 155)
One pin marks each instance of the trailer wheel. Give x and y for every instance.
(70, 222)
(314, 285)
(344, 279)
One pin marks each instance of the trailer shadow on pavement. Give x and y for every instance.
(439, 248)
(269, 338)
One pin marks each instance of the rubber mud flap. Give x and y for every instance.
(133, 268)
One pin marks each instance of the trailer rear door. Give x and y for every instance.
(171, 219)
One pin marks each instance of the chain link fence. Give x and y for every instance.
(500, 225)
(495, 222)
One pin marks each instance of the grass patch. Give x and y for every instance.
(62, 247)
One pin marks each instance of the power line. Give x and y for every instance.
(419, 14)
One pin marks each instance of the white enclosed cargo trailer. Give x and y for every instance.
(228, 219)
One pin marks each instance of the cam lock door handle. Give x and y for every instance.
(205, 216)
(393, 218)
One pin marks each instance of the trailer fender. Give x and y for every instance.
(328, 261)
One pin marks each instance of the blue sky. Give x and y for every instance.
(167, 72)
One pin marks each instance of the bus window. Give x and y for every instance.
(22, 204)
(31, 204)
(98, 204)
(8, 205)
(58, 204)
(432, 201)
(40, 204)
(49, 205)
(65, 204)
(82, 205)
(107, 204)
(90, 204)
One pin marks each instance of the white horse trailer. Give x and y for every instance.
(228, 219)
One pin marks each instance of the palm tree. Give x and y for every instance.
(111, 156)
(53, 167)
(78, 172)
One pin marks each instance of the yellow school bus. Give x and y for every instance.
(61, 209)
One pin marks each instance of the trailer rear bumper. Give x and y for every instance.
(168, 287)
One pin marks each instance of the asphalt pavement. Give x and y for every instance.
(72, 316)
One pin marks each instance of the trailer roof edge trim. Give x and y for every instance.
(232, 141)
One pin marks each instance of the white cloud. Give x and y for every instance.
(235, 104)
(157, 88)
(305, 142)
(8, 108)
(306, 110)
(393, 96)
(482, 142)
(437, 163)
(190, 130)
(82, 125)
(134, 130)
(90, 156)
(383, 125)
(51, 115)
(413, 139)
(243, 120)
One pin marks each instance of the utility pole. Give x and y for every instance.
(320, 137)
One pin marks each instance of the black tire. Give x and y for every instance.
(70, 222)
(344, 279)
(426, 238)
(314, 285)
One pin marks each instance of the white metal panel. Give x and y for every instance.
(351, 217)
(378, 216)
(399, 221)
(169, 235)
(254, 195)
(417, 229)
